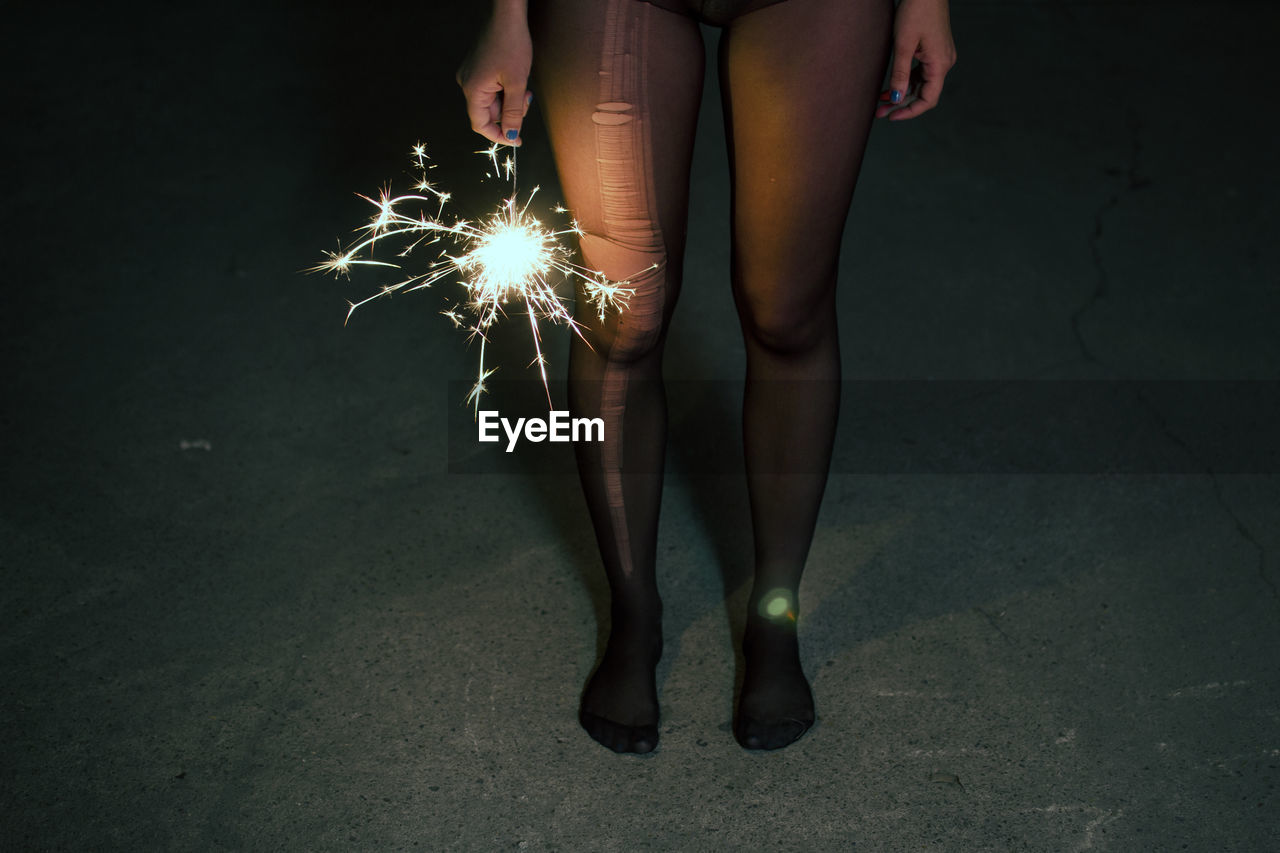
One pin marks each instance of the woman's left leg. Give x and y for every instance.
(800, 81)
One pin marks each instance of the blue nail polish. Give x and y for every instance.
(895, 96)
(512, 134)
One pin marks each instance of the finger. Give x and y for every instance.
(528, 99)
(913, 109)
(930, 92)
(495, 116)
(513, 107)
(885, 107)
(478, 103)
(900, 76)
(482, 111)
(917, 80)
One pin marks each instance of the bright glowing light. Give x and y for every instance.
(510, 257)
(776, 605)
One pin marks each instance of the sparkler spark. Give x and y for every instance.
(508, 258)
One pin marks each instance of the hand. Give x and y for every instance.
(494, 75)
(921, 30)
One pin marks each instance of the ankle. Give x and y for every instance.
(637, 611)
(777, 608)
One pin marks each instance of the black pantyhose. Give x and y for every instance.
(619, 83)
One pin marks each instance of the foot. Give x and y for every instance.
(776, 705)
(620, 704)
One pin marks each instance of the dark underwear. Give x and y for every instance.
(714, 12)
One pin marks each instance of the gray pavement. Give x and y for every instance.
(248, 605)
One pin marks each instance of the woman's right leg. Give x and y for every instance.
(619, 83)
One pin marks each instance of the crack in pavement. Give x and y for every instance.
(1135, 181)
(1241, 527)
(996, 625)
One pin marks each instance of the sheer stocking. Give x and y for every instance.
(797, 132)
(619, 84)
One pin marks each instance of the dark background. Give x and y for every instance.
(247, 605)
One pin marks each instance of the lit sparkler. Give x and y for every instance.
(506, 258)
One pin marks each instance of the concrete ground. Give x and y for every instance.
(255, 597)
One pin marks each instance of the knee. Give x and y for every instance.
(788, 325)
(634, 331)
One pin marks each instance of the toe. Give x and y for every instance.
(617, 737)
(644, 740)
(752, 734)
(784, 733)
(746, 732)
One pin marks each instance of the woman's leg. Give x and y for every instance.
(800, 81)
(619, 82)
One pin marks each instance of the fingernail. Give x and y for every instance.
(528, 99)
(895, 96)
(512, 134)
